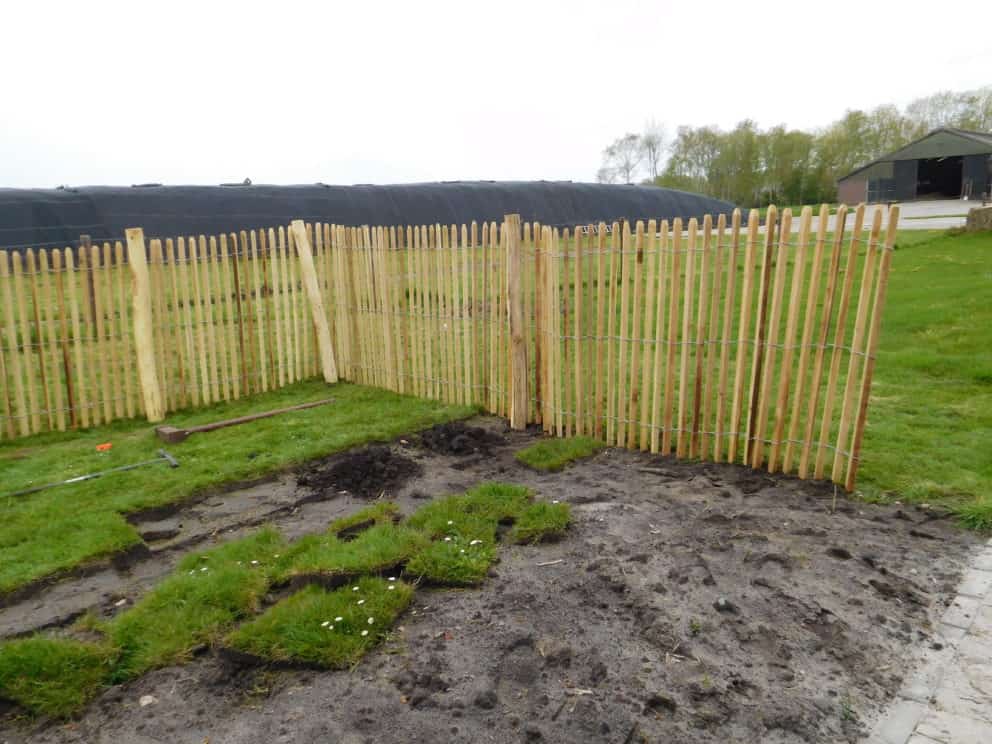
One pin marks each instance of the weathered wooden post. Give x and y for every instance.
(144, 338)
(309, 275)
(519, 394)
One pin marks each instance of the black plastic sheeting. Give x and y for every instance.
(44, 218)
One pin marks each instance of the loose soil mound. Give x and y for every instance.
(457, 438)
(367, 472)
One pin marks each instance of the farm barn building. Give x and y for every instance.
(41, 218)
(946, 163)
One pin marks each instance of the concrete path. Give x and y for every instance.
(924, 215)
(949, 698)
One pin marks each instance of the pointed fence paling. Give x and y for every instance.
(731, 340)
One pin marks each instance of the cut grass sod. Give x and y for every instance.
(464, 529)
(541, 522)
(332, 561)
(475, 514)
(453, 562)
(205, 596)
(554, 454)
(450, 542)
(52, 531)
(52, 676)
(384, 512)
(329, 629)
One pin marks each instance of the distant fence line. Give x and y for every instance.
(715, 340)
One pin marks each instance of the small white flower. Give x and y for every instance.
(391, 587)
(475, 542)
(325, 623)
(276, 555)
(371, 620)
(462, 550)
(361, 601)
(554, 501)
(450, 522)
(204, 568)
(354, 588)
(192, 572)
(447, 539)
(338, 619)
(254, 563)
(330, 627)
(392, 578)
(365, 632)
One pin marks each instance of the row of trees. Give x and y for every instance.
(753, 167)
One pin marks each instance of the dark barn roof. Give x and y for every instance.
(939, 143)
(57, 217)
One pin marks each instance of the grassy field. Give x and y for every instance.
(929, 434)
(48, 532)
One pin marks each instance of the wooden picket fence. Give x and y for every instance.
(717, 340)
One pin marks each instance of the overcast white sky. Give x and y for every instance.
(382, 92)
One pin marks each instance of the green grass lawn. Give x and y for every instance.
(54, 530)
(929, 433)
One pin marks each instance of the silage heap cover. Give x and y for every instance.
(42, 218)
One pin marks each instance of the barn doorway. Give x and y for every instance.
(939, 178)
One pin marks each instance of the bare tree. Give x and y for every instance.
(653, 146)
(622, 158)
(606, 175)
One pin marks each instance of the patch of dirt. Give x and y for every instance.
(693, 602)
(368, 472)
(459, 438)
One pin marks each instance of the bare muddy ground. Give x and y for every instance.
(688, 603)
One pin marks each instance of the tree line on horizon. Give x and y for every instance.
(754, 167)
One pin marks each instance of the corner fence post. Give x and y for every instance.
(309, 275)
(144, 338)
(519, 393)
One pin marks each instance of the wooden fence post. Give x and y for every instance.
(309, 275)
(144, 338)
(519, 393)
(872, 347)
